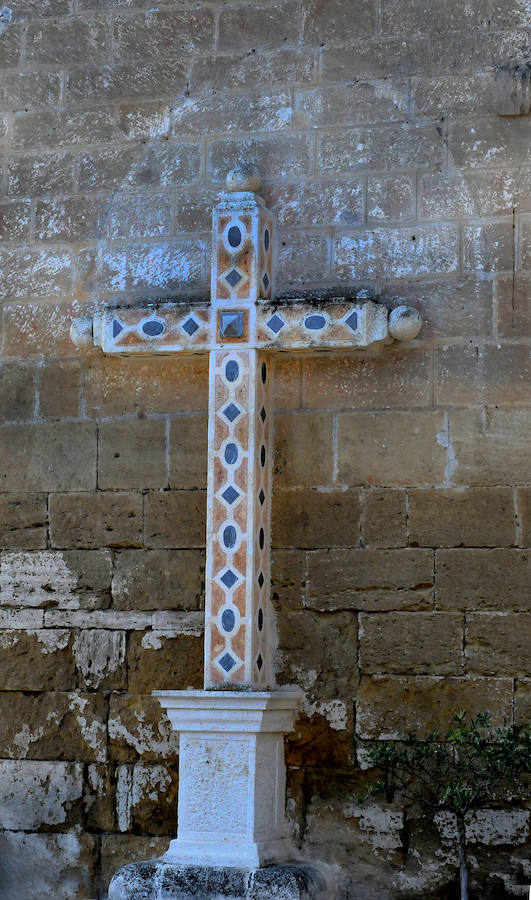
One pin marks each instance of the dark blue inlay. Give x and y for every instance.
(228, 620)
(266, 238)
(263, 455)
(260, 579)
(259, 662)
(260, 620)
(227, 662)
(263, 414)
(233, 277)
(229, 579)
(275, 323)
(231, 454)
(229, 536)
(231, 412)
(232, 370)
(352, 321)
(261, 497)
(261, 539)
(314, 323)
(190, 326)
(265, 280)
(230, 495)
(117, 327)
(153, 328)
(264, 373)
(234, 236)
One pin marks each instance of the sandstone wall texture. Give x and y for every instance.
(402, 511)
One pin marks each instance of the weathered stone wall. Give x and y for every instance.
(402, 513)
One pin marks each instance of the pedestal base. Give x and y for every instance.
(161, 880)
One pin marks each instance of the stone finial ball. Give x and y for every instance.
(404, 323)
(245, 177)
(81, 332)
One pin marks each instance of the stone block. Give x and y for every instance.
(146, 798)
(287, 384)
(118, 850)
(288, 579)
(40, 660)
(492, 142)
(35, 273)
(489, 247)
(303, 449)
(479, 50)
(164, 660)
(14, 221)
(48, 866)
(383, 147)
(323, 735)
(454, 95)
(166, 31)
(338, 23)
(125, 81)
(111, 619)
(224, 113)
(370, 580)
(303, 257)
(132, 455)
(522, 701)
(454, 194)
(510, 14)
(354, 104)
(308, 518)
(108, 519)
(383, 519)
(261, 25)
(52, 128)
(17, 392)
(449, 307)
(10, 46)
(513, 294)
(188, 452)
(53, 725)
(71, 219)
(30, 175)
(60, 456)
(35, 9)
(277, 65)
(100, 659)
(21, 618)
(175, 519)
(193, 208)
(497, 643)
(478, 517)
(117, 386)
(394, 449)
(524, 515)
(143, 266)
(390, 707)
(399, 378)
(139, 166)
(39, 330)
(49, 578)
(139, 728)
(142, 215)
(377, 59)
(36, 794)
(60, 389)
(410, 17)
(146, 119)
(490, 446)
(397, 253)
(64, 43)
(411, 643)
(276, 156)
(330, 202)
(391, 198)
(525, 240)
(99, 797)
(157, 579)
(30, 89)
(483, 579)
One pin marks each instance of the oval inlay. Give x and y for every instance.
(234, 236)
(314, 323)
(229, 536)
(264, 373)
(260, 620)
(232, 370)
(228, 620)
(261, 539)
(153, 328)
(266, 239)
(231, 454)
(263, 455)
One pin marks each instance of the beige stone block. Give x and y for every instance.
(525, 241)
(352, 104)
(145, 119)
(127, 80)
(60, 456)
(71, 219)
(188, 452)
(450, 195)
(260, 25)
(390, 707)
(132, 455)
(146, 798)
(14, 221)
(121, 620)
(276, 66)
(118, 850)
(30, 175)
(460, 307)
(376, 59)
(276, 156)
(497, 643)
(23, 521)
(53, 725)
(40, 660)
(99, 798)
(391, 448)
(310, 203)
(164, 266)
(303, 257)
(478, 517)
(17, 392)
(490, 446)
(522, 701)
(111, 519)
(411, 643)
(524, 515)
(70, 579)
(287, 383)
(483, 579)
(139, 215)
(303, 449)
(391, 198)
(492, 142)
(371, 580)
(223, 113)
(513, 294)
(338, 23)
(398, 378)
(27, 273)
(49, 866)
(383, 147)
(323, 737)
(175, 519)
(410, 17)
(166, 31)
(55, 128)
(288, 579)
(117, 386)
(479, 50)
(454, 95)
(489, 247)
(59, 389)
(139, 165)
(308, 518)
(157, 579)
(100, 659)
(164, 661)
(397, 252)
(139, 728)
(21, 618)
(36, 794)
(10, 45)
(40, 330)
(383, 519)
(30, 89)
(67, 42)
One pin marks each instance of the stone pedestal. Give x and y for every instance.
(231, 776)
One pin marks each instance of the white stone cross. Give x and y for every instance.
(231, 790)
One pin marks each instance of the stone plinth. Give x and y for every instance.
(231, 776)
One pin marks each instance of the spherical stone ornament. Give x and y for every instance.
(404, 323)
(81, 332)
(245, 177)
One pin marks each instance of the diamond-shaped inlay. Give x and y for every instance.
(229, 579)
(261, 497)
(275, 323)
(263, 414)
(231, 412)
(352, 321)
(230, 494)
(190, 326)
(259, 662)
(233, 277)
(261, 580)
(117, 327)
(227, 662)
(265, 281)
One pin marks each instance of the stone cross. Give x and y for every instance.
(231, 793)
